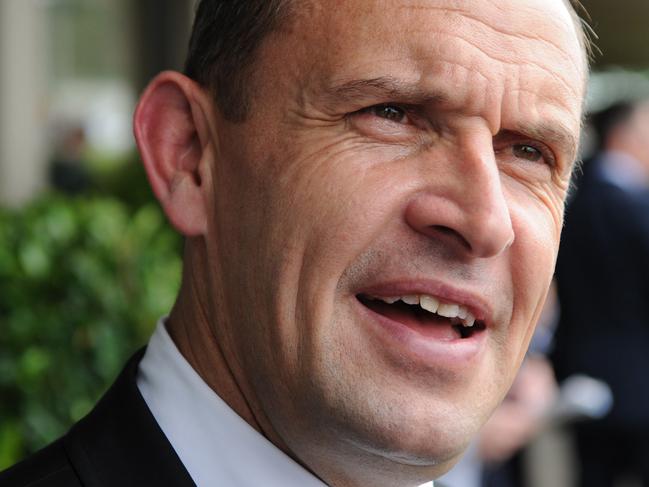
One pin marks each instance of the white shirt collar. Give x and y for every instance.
(214, 443)
(216, 446)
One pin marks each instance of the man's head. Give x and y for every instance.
(391, 155)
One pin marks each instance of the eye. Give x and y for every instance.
(393, 113)
(390, 122)
(534, 153)
(528, 152)
(516, 148)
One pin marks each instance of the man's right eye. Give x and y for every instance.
(388, 122)
(393, 113)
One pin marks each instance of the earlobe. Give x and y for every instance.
(173, 135)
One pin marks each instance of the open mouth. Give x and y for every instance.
(426, 315)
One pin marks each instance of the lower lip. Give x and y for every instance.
(448, 354)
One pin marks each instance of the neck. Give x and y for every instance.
(199, 328)
(199, 332)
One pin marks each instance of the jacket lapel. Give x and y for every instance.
(120, 443)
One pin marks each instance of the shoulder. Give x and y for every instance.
(118, 443)
(49, 467)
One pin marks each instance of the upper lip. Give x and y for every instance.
(476, 304)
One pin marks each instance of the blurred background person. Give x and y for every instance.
(603, 288)
(68, 170)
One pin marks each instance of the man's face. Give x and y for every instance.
(396, 149)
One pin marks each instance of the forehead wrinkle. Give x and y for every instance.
(549, 96)
(519, 35)
(503, 12)
(573, 90)
(501, 30)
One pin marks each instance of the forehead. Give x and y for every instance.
(510, 23)
(486, 56)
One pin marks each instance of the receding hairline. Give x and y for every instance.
(585, 34)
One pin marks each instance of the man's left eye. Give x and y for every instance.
(527, 152)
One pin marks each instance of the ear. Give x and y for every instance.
(172, 130)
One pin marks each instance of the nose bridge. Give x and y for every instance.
(487, 225)
(466, 198)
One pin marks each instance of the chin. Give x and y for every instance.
(406, 430)
(439, 444)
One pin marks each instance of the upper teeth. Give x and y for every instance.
(433, 305)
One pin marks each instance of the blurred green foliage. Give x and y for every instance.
(82, 283)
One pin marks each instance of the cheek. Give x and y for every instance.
(537, 216)
(533, 257)
(333, 198)
(305, 215)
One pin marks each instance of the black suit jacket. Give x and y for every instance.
(603, 286)
(118, 444)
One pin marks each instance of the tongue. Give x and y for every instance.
(428, 324)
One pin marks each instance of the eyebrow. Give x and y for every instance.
(398, 90)
(383, 87)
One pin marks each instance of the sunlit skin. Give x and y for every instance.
(390, 145)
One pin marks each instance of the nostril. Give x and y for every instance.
(468, 221)
(443, 229)
(450, 234)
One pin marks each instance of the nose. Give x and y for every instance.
(462, 203)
